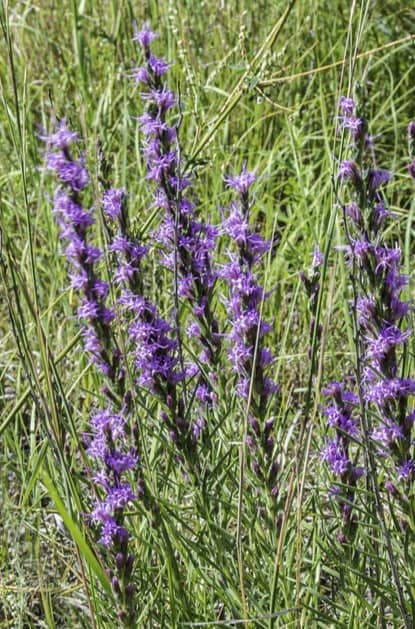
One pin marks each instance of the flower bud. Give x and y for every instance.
(119, 561)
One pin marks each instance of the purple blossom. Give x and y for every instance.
(140, 74)
(145, 36)
(387, 434)
(349, 170)
(350, 121)
(318, 257)
(406, 470)
(242, 182)
(158, 66)
(335, 455)
(354, 212)
(377, 178)
(62, 137)
(164, 99)
(347, 105)
(380, 213)
(68, 170)
(354, 125)
(110, 530)
(366, 309)
(112, 202)
(383, 391)
(380, 347)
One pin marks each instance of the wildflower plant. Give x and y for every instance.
(187, 242)
(383, 403)
(151, 349)
(109, 443)
(247, 351)
(185, 247)
(138, 353)
(190, 492)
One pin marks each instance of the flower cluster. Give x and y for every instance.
(74, 222)
(186, 241)
(144, 364)
(349, 119)
(150, 338)
(127, 251)
(108, 447)
(340, 450)
(246, 350)
(107, 443)
(381, 316)
(153, 348)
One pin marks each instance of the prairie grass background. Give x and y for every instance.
(243, 98)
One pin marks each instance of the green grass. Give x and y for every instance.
(245, 96)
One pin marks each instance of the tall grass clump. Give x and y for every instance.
(207, 361)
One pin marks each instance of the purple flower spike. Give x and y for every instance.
(112, 456)
(186, 243)
(383, 333)
(246, 352)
